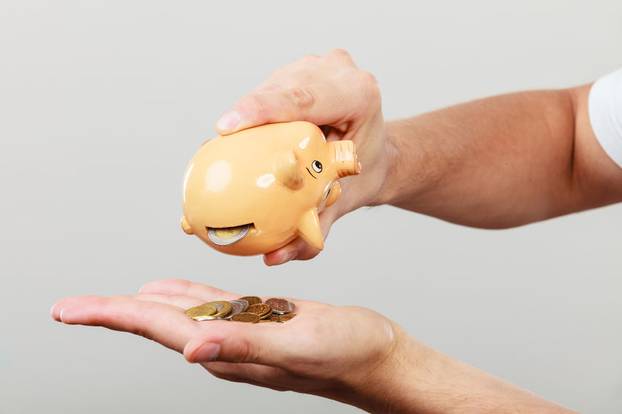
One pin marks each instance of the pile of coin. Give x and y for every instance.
(249, 309)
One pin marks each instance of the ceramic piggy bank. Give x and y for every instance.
(256, 190)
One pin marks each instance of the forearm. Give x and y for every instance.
(418, 379)
(501, 161)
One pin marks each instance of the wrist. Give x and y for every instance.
(390, 385)
(372, 186)
(385, 170)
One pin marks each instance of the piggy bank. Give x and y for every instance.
(256, 190)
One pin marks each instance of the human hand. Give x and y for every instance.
(332, 92)
(342, 353)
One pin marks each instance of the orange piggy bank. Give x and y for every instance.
(258, 189)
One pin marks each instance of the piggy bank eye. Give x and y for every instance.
(317, 166)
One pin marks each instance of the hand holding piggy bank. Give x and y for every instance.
(256, 190)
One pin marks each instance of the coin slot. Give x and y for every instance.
(224, 236)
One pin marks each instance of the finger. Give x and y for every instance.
(180, 301)
(323, 103)
(186, 288)
(243, 343)
(255, 374)
(297, 249)
(163, 323)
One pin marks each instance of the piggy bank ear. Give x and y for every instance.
(185, 226)
(309, 229)
(288, 170)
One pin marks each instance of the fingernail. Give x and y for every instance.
(52, 311)
(207, 352)
(228, 121)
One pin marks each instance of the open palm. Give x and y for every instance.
(324, 350)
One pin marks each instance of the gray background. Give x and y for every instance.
(102, 103)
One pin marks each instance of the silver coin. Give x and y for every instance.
(228, 235)
(238, 306)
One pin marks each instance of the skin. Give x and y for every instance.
(493, 163)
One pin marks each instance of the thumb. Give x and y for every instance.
(248, 344)
(324, 103)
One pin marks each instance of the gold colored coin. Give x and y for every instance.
(251, 299)
(229, 232)
(211, 310)
(246, 317)
(260, 309)
(202, 312)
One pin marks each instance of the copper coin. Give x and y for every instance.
(251, 299)
(280, 306)
(260, 309)
(246, 317)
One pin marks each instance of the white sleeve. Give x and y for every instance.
(605, 109)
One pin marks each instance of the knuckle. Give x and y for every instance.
(368, 79)
(341, 53)
(301, 97)
(247, 352)
(369, 86)
(310, 58)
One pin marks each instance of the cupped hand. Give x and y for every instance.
(332, 92)
(326, 350)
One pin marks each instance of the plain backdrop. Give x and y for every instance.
(102, 103)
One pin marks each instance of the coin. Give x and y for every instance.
(202, 312)
(245, 317)
(240, 310)
(280, 306)
(227, 235)
(211, 310)
(260, 309)
(237, 306)
(251, 299)
(286, 317)
(223, 308)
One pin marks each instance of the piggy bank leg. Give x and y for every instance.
(185, 226)
(309, 229)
